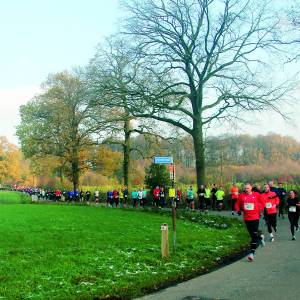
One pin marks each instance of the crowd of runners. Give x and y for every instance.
(253, 201)
(269, 203)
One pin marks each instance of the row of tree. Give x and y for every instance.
(182, 63)
(104, 162)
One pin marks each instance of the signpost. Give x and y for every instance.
(168, 160)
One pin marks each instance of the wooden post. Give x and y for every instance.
(164, 240)
(174, 225)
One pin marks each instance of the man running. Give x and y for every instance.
(220, 194)
(252, 205)
(190, 198)
(207, 198)
(281, 192)
(271, 201)
(156, 193)
(213, 196)
(201, 193)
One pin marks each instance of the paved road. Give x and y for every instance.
(275, 274)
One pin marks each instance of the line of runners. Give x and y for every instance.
(254, 204)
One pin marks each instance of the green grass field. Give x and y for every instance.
(14, 198)
(79, 252)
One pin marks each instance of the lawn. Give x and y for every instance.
(14, 198)
(79, 252)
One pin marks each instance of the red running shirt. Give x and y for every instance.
(271, 201)
(234, 191)
(251, 205)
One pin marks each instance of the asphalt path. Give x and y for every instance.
(274, 274)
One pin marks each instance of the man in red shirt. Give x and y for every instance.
(116, 197)
(252, 205)
(156, 193)
(234, 193)
(271, 202)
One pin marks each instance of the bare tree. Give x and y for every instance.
(207, 62)
(110, 76)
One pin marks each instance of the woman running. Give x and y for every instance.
(293, 205)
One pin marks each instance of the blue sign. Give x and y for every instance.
(163, 160)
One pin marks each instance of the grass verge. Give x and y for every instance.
(7, 197)
(81, 252)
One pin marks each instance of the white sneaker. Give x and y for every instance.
(262, 241)
(250, 257)
(293, 238)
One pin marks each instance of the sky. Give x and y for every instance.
(39, 37)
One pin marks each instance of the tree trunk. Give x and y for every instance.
(197, 135)
(126, 149)
(75, 168)
(61, 177)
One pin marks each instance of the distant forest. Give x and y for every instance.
(228, 158)
(239, 158)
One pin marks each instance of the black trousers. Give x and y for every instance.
(271, 220)
(206, 203)
(232, 204)
(281, 207)
(252, 227)
(201, 202)
(293, 218)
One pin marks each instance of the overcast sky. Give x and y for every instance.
(39, 37)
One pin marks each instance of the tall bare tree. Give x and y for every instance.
(208, 61)
(110, 76)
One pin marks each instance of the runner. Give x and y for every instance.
(207, 198)
(281, 192)
(81, 196)
(293, 205)
(234, 193)
(201, 193)
(140, 197)
(178, 197)
(220, 194)
(162, 201)
(213, 196)
(87, 197)
(116, 198)
(134, 196)
(190, 198)
(156, 193)
(252, 205)
(96, 196)
(271, 201)
(121, 198)
(125, 192)
(144, 196)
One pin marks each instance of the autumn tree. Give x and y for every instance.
(207, 62)
(59, 122)
(10, 160)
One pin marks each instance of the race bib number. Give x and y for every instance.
(268, 205)
(292, 209)
(201, 194)
(248, 206)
